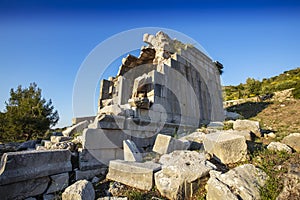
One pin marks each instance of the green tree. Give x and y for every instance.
(253, 87)
(28, 115)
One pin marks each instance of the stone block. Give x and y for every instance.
(22, 189)
(57, 139)
(25, 165)
(226, 147)
(58, 182)
(166, 144)
(103, 138)
(98, 158)
(138, 175)
(131, 152)
(89, 174)
(81, 190)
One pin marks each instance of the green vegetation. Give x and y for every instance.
(269, 162)
(27, 115)
(288, 79)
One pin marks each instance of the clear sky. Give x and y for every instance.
(46, 41)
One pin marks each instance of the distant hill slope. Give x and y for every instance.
(252, 87)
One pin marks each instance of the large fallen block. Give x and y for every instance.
(167, 144)
(138, 175)
(181, 173)
(26, 165)
(226, 147)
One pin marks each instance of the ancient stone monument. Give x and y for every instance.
(170, 88)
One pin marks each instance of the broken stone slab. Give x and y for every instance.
(89, 174)
(167, 144)
(80, 190)
(58, 182)
(242, 182)
(181, 173)
(57, 139)
(138, 175)
(131, 152)
(277, 146)
(249, 125)
(226, 147)
(103, 138)
(23, 189)
(77, 128)
(25, 165)
(292, 140)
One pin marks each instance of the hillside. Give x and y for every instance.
(279, 114)
(252, 87)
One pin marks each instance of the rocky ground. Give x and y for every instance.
(267, 166)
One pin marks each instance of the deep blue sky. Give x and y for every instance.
(46, 41)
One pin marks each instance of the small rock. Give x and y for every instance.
(81, 190)
(277, 146)
(292, 140)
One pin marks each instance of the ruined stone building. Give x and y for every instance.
(170, 88)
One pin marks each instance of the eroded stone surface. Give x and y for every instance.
(181, 171)
(81, 190)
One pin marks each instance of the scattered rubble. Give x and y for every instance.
(242, 182)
